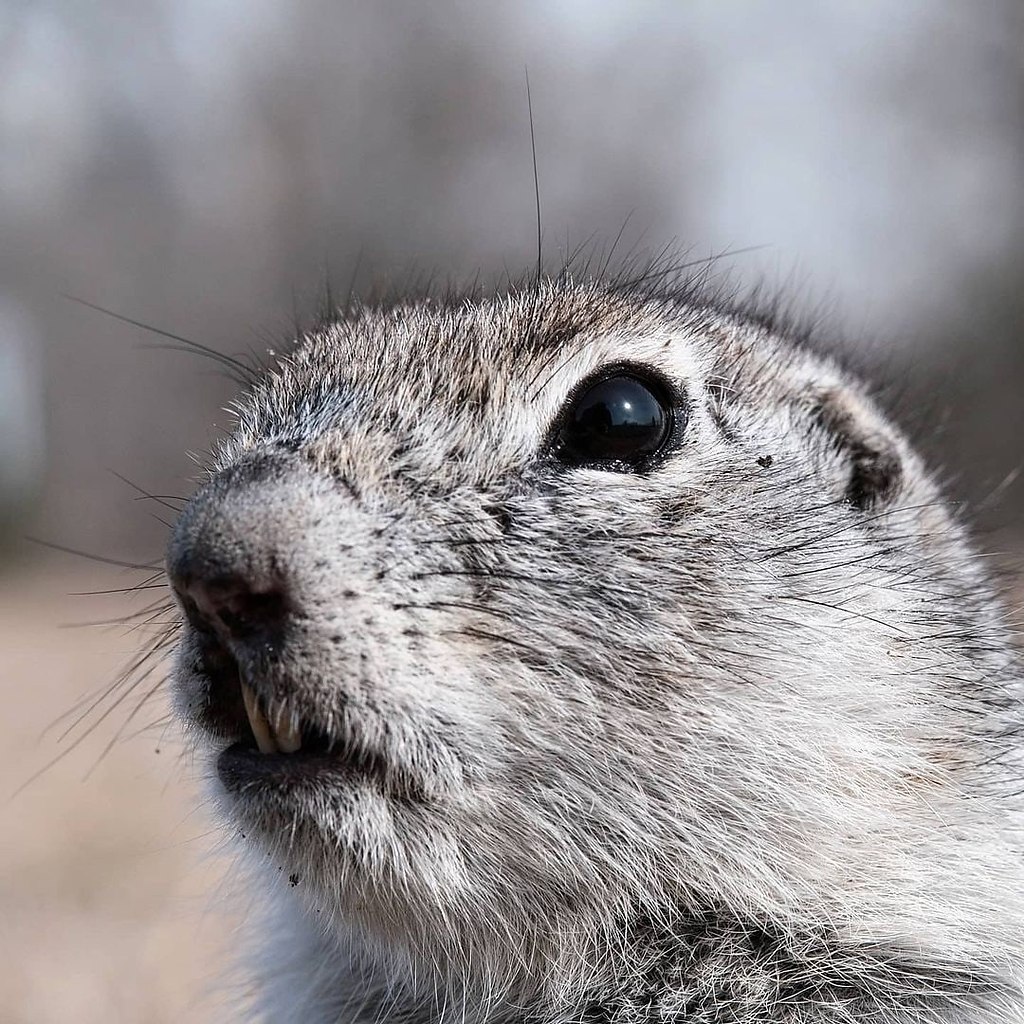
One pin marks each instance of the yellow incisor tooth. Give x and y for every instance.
(258, 722)
(288, 734)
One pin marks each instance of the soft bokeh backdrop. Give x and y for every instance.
(205, 165)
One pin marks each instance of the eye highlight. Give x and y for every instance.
(620, 421)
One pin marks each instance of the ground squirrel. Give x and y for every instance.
(594, 653)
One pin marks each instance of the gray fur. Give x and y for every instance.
(733, 740)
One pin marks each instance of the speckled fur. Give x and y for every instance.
(729, 742)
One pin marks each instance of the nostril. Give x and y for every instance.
(246, 612)
(234, 608)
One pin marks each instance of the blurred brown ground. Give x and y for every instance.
(107, 880)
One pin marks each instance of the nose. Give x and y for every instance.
(239, 609)
(231, 560)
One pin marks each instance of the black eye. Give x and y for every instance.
(620, 420)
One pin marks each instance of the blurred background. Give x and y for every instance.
(204, 166)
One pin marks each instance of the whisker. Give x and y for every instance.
(240, 372)
(144, 494)
(118, 590)
(871, 556)
(461, 605)
(102, 559)
(157, 645)
(809, 542)
(844, 610)
(139, 705)
(133, 620)
(81, 737)
(483, 634)
(482, 574)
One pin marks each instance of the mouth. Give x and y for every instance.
(272, 742)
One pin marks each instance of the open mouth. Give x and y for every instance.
(274, 742)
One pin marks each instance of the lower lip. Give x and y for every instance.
(242, 766)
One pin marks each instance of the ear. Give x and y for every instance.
(868, 449)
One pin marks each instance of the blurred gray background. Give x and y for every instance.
(205, 165)
(201, 165)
